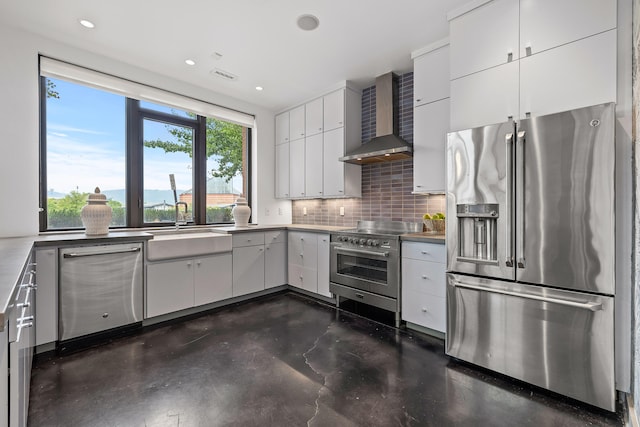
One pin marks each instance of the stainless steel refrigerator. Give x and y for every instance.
(531, 251)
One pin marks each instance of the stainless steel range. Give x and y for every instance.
(365, 263)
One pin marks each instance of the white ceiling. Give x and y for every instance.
(258, 39)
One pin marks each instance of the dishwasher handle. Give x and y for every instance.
(126, 251)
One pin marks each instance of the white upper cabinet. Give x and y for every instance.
(334, 110)
(296, 168)
(545, 24)
(333, 177)
(431, 76)
(484, 98)
(313, 166)
(484, 38)
(282, 171)
(572, 76)
(296, 123)
(313, 117)
(333, 127)
(430, 127)
(282, 128)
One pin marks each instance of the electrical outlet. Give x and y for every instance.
(304, 211)
(341, 210)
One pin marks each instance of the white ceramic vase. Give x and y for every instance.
(241, 212)
(96, 214)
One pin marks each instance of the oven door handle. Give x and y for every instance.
(361, 251)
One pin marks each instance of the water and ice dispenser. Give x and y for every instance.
(477, 231)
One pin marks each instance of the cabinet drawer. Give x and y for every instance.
(424, 251)
(424, 310)
(303, 278)
(248, 239)
(424, 277)
(279, 236)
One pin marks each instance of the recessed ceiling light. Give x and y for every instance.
(86, 23)
(308, 22)
(190, 62)
(259, 88)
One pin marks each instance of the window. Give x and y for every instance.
(128, 147)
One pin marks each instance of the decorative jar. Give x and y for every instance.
(241, 212)
(96, 214)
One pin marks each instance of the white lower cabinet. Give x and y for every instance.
(248, 270)
(47, 296)
(424, 285)
(308, 267)
(324, 249)
(275, 258)
(186, 283)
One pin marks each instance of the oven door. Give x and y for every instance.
(372, 270)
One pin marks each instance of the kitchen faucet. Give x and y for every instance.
(184, 218)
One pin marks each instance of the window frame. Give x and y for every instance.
(134, 181)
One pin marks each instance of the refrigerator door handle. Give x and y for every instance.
(509, 193)
(591, 306)
(520, 197)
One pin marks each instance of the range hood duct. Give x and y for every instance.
(386, 146)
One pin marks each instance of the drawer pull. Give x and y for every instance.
(425, 253)
(25, 319)
(424, 276)
(23, 304)
(105, 315)
(360, 296)
(424, 310)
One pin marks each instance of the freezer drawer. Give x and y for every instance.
(100, 288)
(558, 340)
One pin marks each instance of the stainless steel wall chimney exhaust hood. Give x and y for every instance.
(386, 146)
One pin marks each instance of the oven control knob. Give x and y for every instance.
(363, 241)
(375, 243)
(369, 242)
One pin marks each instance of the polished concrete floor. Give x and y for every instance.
(285, 360)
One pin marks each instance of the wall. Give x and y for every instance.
(19, 121)
(635, 330)
(386, 187)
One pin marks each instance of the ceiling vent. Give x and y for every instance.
(224, 74)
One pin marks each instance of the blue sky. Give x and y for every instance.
(86, 144)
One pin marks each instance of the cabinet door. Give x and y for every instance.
(545, 24)
(484, 37)
(333, 176)
(275, 265)
(295, 251)
(212, 279)
(248, 270)
(296, 168)
(323, 265)
(309, 250)
(313, 166)
(46, 296)
(296, 123)
(424, 310)
(431, 76)
(424, 277)
(430, 127)
(334, 110)
(485, 98)
(575, 75)
(282, 128)
(313, 117)
(169, 287)
(282, 171)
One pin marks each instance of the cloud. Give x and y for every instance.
(64, 128)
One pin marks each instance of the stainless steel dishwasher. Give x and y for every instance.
(100, 288)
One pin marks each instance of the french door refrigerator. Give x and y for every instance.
(531, 251)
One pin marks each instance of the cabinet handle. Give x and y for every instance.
(425, 253)
(339, 123)
(189, 264)
(105, 315)
(23, 304)
(198, 263)
(25, 325)
(302, 194)
(424, 277)
(418, 100)
(528, 50)
(424, 310)
(300, 277)
(360, 296)
(320, 129)
(509, 56)
(340, 191)
(260, 249)
(25, 319)
(301, 255)
(418, 186)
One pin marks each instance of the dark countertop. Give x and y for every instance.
(424, 237)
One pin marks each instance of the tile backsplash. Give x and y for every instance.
(386, 187)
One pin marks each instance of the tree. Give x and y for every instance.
(51, 90)
(224, 140)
